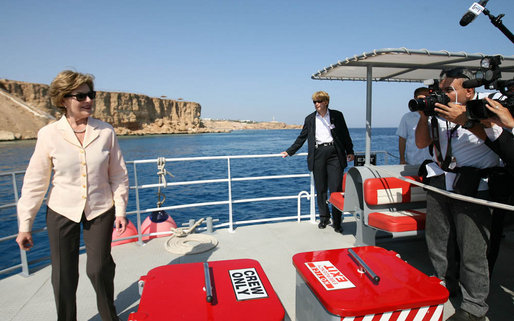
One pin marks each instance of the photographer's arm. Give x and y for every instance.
(423, 138)
(503, 147)
(456, 113)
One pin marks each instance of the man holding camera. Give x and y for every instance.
(457, 231)
(496, 131)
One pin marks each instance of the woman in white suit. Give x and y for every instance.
(89, 188)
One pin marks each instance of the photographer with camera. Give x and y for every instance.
(496, 132)
(459, 160)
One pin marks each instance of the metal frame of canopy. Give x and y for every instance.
(402, 65)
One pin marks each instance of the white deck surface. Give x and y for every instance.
(273, 245)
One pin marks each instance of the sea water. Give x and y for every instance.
(14, 156)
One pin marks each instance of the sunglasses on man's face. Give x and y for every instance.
(317, 102)
(82, 96)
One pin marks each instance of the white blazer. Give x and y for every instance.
(88, 178)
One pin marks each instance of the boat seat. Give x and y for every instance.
(398, 221)
(394, 204)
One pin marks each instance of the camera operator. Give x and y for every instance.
(496, 132)
(454, 225)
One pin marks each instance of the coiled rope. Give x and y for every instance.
(184, 242)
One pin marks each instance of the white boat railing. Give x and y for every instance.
(230, 199)
(229, 179)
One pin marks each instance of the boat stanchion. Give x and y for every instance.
(208, 224)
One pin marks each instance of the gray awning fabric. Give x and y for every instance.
(406, 65)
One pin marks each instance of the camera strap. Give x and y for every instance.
(443, 163)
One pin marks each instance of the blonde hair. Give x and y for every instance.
(66, 82)
(321, 95)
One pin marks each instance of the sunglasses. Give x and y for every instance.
(317, 101)
(82, 96)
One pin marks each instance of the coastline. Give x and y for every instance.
(207, 126)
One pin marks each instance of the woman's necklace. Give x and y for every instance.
(79, 131)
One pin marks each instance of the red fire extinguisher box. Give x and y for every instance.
(364, 283)
(217, 290)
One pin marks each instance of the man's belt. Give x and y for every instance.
(324, 144)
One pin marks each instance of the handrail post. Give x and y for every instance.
(313, 203)
(230, 218)
(138, 209)
(23, 254)
(299, 205)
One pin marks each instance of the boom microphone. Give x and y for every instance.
(473, 83)
(473, 11)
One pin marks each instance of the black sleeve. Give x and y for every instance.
(344, 135)
(298, 143)
(504, 147)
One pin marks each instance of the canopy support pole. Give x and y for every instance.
(369, 80)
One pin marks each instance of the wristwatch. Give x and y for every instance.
(469, 123)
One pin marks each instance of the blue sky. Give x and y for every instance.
(238, 59)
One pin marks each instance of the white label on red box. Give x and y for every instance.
(247, 284)
(328, 275)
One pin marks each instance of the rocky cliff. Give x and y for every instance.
(27, 108)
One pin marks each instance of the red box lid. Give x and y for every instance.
(401, 286)
(176, 292)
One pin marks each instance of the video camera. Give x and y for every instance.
(489, 76)
(427, 104)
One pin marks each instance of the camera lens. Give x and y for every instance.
(416, 104)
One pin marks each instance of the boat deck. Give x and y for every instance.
(273, 245)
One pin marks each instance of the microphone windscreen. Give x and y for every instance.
(467, 18)
(472, 83)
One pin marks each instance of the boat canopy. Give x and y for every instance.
(403, 65)
(406, 65)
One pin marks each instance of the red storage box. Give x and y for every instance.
(331, 285)
(240, 291)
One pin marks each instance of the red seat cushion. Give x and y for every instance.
(399, 221)
(337, 200)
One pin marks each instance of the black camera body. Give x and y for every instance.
(427, 104)
(489, 76)
(476, 109)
